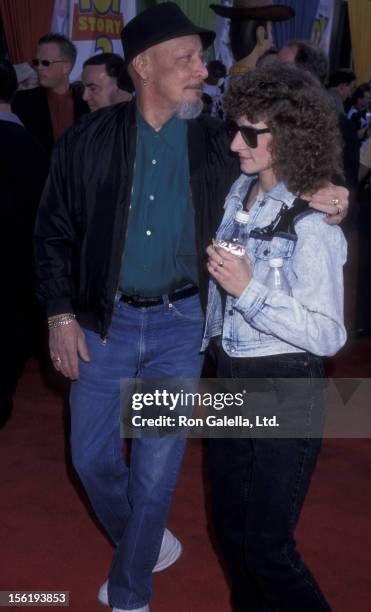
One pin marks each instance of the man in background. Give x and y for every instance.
(23, 169)
(342, 84)
(106, 81)
(48, 110)
(306, 56)
(359, 111)
(214, 86)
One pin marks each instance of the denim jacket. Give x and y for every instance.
(262, 322)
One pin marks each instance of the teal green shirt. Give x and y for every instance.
(160, 248)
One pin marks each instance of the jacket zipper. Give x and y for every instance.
(108, 317)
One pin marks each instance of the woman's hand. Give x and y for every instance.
(232, 273)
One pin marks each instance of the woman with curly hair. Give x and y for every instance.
(287, 139)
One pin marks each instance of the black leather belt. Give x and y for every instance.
(147, 302)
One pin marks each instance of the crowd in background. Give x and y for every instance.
(46, 103)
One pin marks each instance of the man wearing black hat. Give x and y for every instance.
(133, 198)
(131, 202)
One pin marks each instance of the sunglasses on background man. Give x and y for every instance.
(39, 62)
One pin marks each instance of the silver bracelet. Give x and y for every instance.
(60, 321)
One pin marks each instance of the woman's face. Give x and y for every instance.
(253, 160)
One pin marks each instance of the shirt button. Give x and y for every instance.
(154, 162)
(151, 197)
(148, 232)
(233, 349)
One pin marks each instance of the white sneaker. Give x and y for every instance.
(144, 609)
(170, 551)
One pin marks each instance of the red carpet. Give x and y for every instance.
(49, 541)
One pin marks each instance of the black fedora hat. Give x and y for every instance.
(157, 24)
(254, 9)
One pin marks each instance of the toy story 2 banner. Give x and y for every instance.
(93, 25)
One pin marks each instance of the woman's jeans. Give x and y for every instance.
(258, 490)
(132, 502)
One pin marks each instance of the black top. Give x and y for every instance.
(23, 169)
(31, 106)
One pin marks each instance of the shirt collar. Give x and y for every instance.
(11, 118)
(170, 132)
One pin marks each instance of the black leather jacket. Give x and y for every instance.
(82, 219)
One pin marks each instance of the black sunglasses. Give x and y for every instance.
(38, 62)
(249, 134)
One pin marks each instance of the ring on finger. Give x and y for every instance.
(221, 263)
(56, 360)
(335, 202)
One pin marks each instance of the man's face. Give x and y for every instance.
(57, 72)
(287, 55)
(176, 72)
(100, 89)
(364, 102)
(346, 90)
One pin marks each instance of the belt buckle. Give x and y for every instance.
(144, 302)
(136, 301)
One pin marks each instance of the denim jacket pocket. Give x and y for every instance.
(267, 249)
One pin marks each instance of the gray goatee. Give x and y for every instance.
(189, 110)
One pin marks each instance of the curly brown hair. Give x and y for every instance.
(306, 144)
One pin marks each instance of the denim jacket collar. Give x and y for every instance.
(279, 192)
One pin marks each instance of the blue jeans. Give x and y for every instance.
(132, 502)
(258, 489)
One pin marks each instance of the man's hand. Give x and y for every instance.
(332, 200)
(66, 344)
(231, 272)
